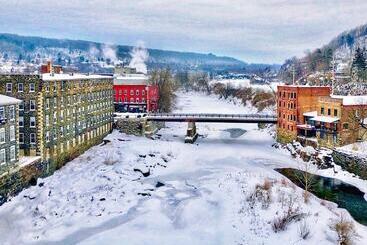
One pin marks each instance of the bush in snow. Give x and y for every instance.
(110, 158)
(261, 194)
(345, 230)
(304, 230)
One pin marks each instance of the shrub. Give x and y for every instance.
(281, 223)
(304, 230)
(261, 194)
(345, 230)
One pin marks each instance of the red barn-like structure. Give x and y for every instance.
(132, 93)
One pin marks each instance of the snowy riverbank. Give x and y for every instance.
(102, 196)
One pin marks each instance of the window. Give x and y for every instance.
(2, 135)
(131, 92)
(137, 100)
(2, 157)
(47, 137)
(143, 92)
(55, 102)
(32, 138)
(131, 100)
(47, 87)
(137, 92)
(9, 87)
(125, 92)
(31, 87)
(2, 113)
(322, 110)
(12, 133)
(120, 92)
(21, 138)
(20, 87)
(32, 105)
(328, 111)
(21, 106)
(11, 112)
(47, 119)
(12, 153)
(47, 103)
(335, 112)
(345, 126)
(32, 122)
(21, 122)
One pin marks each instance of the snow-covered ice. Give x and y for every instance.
(102, 196)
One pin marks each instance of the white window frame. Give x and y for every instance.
(20, 85)
(12, 133)
(30, 138)
(12, 153)
(21, 122)
(32, 120)
(21, 138)
(2, 157)
(2, 136)
(9, 87)
(30, 105)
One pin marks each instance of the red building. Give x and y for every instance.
(132, 93)
(50, 68)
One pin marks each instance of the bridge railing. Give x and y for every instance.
(207, 115)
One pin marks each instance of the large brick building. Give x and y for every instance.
(61, 115)
(292, 103)
(133, 93)
(312, 114)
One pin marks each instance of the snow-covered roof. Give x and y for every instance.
(310, 114)
(75, 76)
(352, 100)
(6, 100)
(325, 119)
(131, 79)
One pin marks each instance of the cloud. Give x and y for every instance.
(253, 30)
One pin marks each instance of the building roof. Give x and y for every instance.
(131, 79)
(310, 114)
(75, 76)
(325, 119)
(352, 100)
(6, 100)
(303, 86)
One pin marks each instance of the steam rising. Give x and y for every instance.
(139, 55)
(109, 52)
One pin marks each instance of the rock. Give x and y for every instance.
(145, 174)
(159, 184)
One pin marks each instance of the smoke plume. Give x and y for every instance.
(139, 55)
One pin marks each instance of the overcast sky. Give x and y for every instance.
(266, 31)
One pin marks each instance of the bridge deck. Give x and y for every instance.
(204, 117)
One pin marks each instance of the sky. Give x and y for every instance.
(255, 31)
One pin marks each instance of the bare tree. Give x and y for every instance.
(167, 87)
(306, 179)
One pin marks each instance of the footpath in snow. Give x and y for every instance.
(135, 190)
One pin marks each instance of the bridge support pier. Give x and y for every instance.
(191, 134)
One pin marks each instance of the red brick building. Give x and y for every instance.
(292, 103)
(132, 93)
(50, 68)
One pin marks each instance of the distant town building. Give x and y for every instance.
(8, 132)
(61, 115)
(312, 114)
(133, 93)
(50, 68)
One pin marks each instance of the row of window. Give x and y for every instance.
(73, 84)
(289, 95)
(32, 138)
(132, 100)
(9, 87)
(137, 92)
(290, 105)
(11, 112)
(3, 134)
(3, 155)
(329, 112)
(91, 120)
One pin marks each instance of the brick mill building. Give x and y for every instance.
(312, 115)
(61, 115)
(133, 93)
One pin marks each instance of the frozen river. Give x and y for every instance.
(194, 194)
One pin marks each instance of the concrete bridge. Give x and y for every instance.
(192, 118)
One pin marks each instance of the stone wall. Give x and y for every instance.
(137, 126)
(20, 177)
(351, 163)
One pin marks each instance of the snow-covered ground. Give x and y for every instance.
(244, 83)
(102, 196)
